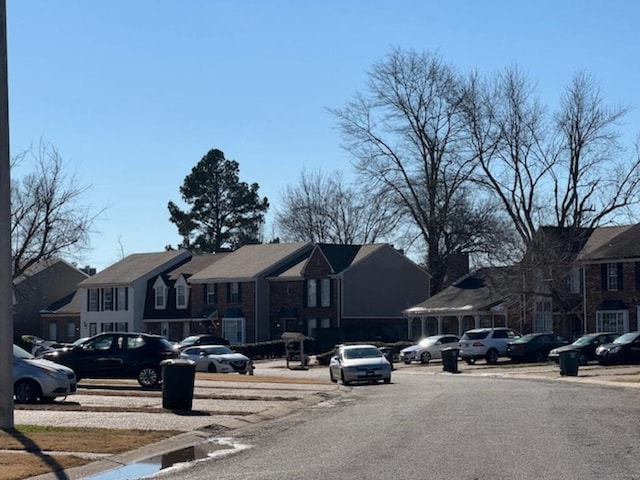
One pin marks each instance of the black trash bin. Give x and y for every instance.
(178, 378)
(569, 361)
(450, 359)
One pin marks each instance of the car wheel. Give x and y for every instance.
(26, 391)
(407, 362)
(492, 356)
(583, 360)
(212, 368)
(148, 377)
(540, 357)
(425, 358)
(344, 382)
(387, 380)
(470, 361)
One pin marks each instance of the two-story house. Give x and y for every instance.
(344, 291)
(174, 308)
(114, 299)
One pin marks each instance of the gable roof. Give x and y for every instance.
(198, 261)
(251, 261)
(341, 257)
(607, 243)
(69, 305)
(479, 291)
(134, 267)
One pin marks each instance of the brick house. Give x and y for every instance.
(352, 290)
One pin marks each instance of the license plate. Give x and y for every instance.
(370, 373)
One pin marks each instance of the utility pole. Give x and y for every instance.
(6, 280)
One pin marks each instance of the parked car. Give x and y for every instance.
(39, 345)
(218, 358)
(38, 379)
(359, 363)
(586, 344)
(487, 343)
(428, 349)
(624, 349)
(118, 355)
(202, 339)
(534, 347)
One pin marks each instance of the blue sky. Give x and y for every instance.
(134, 92)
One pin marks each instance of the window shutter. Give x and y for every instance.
(603, 277)
(620, 275)
(126, 298)
(228, 292)
(637, 275)
(331, 282)
(304, 293)
(205, 293)
(239, 292)
(88, 298)
(215, 293)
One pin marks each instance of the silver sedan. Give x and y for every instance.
(359, 363)
(218, 359)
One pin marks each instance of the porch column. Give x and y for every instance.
(460, 332)
(476, 320)
(439, 318)
(423, 323)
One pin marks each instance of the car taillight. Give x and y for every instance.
(478, 344)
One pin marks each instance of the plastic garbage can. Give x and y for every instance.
(450, 359)
(388, 354)
(569, 362)
(178, 379)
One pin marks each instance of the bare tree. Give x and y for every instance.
(592, 181)
(406, 134)
(323, 208)
(565, 171)
(48, 216)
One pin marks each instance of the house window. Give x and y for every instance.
(94, 296)
(211, 294)
(181, 296)
(543, 316)
(71, 330)
(233, 329)
(612, 321)
(234, 292)
(612, 276)
(325, 292)
(574, 280)
(312, 293)
(314, 324)
(160, 292)
(122, 298)
(107, 299)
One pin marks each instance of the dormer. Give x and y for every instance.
(182, 293)
(160, 294)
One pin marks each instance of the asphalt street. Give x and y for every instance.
(224, 408)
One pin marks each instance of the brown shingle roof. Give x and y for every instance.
(479, 291)
(131, 268)
(608, 243)
(250, 261)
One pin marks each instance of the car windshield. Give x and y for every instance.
(20, 353)
(475, 335)
(365, 352)
(586, 340)
(626, 338)
(425, 342)
(189, 340)
(217, 350)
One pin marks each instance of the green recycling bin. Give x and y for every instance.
(569, 361)
(178, 379)
(450, 359)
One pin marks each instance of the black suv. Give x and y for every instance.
(118, 355)
(202, 339)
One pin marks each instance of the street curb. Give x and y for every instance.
(188, 439)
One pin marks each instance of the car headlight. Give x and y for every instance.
(53, 373)
(553, 352)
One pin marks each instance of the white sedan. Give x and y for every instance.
(428, 348)
(359, 363)
(218, 359)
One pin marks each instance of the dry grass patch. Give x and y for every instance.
(41, 447)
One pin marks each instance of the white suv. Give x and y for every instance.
(487, 343)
